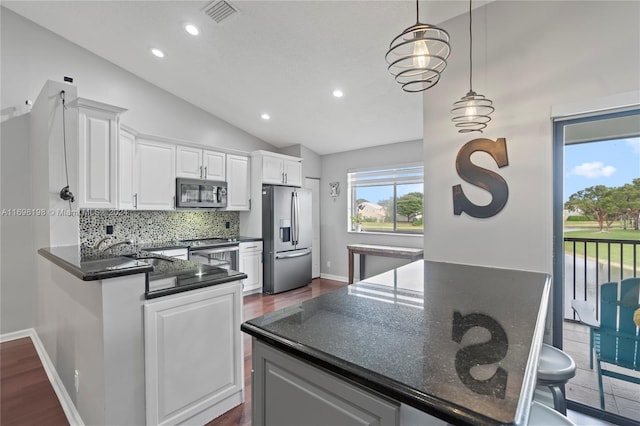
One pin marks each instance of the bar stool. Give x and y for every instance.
(555, 368)
(541, 415)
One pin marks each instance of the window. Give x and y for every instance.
(387, 200)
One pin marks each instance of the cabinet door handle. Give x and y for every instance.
(135, 200)
(205, 172)
(200, 172)
(286, 178)
(282, 177)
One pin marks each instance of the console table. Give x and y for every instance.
(384, 251)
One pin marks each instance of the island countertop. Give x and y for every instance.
(458, 342)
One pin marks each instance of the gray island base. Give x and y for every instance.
(427, 342)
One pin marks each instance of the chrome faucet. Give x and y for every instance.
(100, 241)
(117, 244)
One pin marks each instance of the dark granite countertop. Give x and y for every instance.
(165, 275)
(459, 342)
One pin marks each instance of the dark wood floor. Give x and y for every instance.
(254, 306)
(27, 397)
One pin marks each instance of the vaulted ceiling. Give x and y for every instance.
(283, 58)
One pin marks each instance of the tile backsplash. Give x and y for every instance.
(156, 226)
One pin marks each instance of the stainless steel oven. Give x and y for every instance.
(222, 256)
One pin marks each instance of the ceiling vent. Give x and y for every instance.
(219, 10)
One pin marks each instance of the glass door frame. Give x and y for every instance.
(559, 124)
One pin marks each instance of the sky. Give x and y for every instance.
(609, 163)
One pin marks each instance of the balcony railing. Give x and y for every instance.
(592, 262)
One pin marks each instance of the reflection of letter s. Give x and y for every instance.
(478, 176)
(479, 354)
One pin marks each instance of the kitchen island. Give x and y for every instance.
(422, 342)
(140, 338)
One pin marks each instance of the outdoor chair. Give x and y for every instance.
(615, 338)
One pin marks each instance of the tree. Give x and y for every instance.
(598, 201)
(630, 204)
(410, 205)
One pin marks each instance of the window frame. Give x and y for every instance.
(395, 180)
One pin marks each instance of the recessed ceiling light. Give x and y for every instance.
(192, 29)
(265, 116)
(338, 93)
(157, 52)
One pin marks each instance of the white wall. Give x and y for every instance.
(333, 212)
(18, 298)
(528, 57)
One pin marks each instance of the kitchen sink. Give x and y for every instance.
(155, 261)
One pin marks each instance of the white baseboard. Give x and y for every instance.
(58, 387)
(7, 337)
(334, 277)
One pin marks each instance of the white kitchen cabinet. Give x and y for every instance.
(155, 175)
(238, 182)
(126, 164)
(280, 169)
(98, 151)
(267, 168)
(196, 163)
(193, 355)
(250, 263)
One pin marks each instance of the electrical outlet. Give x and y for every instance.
(109, 229)
(328, 264)
(76, 379)
(227, 225)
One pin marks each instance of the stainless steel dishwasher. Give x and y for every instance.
(218, 252)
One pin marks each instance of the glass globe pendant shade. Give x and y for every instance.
(418, 56)
(472, 112)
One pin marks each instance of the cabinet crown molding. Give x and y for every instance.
(264, 153)
(89, 103)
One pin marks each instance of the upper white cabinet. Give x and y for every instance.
(126, 165)
(155, 175)
(280, 169)
(197, 163)
(238, 182)
(98, 151)
(267, 168)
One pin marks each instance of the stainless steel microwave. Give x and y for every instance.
(196, 193)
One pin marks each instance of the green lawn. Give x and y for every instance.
(616, 233)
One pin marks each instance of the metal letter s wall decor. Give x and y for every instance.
(481, 177)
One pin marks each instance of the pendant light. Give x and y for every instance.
(472, 112)
(418, 56)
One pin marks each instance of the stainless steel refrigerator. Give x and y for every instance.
(287, 235)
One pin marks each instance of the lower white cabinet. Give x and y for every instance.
(193, 355)
(250, 263)
(288, 391)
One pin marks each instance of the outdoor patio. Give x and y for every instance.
(621, 397)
